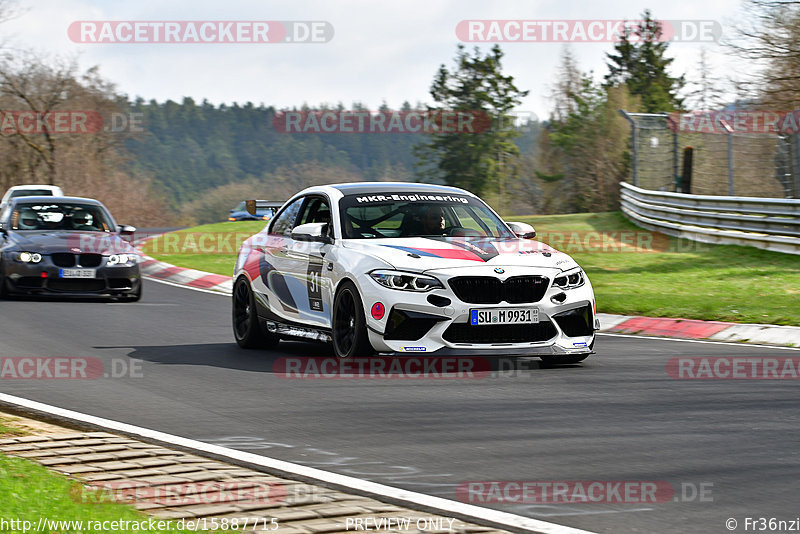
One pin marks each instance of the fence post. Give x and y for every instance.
(675, 159)
(796, 166)
(730, 156)
(635, 143)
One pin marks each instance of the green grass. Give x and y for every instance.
(7, 428)
(664, 277)
(210, 247)
(28, 491)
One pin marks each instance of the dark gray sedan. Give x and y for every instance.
(66, 246)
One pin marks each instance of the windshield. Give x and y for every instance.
(418, 215)
(56, 216)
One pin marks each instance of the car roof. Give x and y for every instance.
(359, 188)
(33, 186)
(55, 200)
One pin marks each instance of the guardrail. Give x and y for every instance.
(768, 223)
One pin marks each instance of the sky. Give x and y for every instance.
(379, 51)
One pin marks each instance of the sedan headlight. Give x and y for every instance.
(405, 281)
(570, 280)
(121, 259)
(29, 257)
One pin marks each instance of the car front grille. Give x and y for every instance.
(64, 259)
(90, 260)
(491, 290)
(501, 333)
(67, 259)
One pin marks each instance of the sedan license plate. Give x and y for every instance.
(504, 316)
(76, 273)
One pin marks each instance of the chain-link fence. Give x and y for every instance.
(710, 155)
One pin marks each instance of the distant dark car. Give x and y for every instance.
(66, 246)
(240, 213)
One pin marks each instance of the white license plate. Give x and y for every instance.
(76, 273)
(504, 316)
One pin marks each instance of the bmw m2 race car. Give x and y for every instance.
(66, 246)
(399, 268)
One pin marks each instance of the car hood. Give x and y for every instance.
(47, 242)
(419, 254)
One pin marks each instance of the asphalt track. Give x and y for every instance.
(617, 417)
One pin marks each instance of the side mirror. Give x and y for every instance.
(311, 232)
(522, 230)
(125, 230)
(3, 229)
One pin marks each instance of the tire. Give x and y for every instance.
(349, 326)
(246, 327)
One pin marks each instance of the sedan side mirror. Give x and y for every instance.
(522, 230)
(3, 229)
(311, 232)
(125, 230)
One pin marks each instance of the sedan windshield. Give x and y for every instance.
(58, 216)
(418, 215)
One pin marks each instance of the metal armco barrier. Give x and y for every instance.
(768, 223)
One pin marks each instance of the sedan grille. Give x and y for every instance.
(491, 290)
(90, 260)
(67, 259)
(64, 259)
(501, 333)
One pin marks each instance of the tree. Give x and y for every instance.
(475, 161)
(583, 157)
(640, 63)
(706, 94)
(769, 36)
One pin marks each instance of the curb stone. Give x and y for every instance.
(176, 485)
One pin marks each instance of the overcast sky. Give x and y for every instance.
(380, 51)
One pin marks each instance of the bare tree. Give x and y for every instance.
(769, 36)
(706, 94)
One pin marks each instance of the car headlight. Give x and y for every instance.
(570, 280)
(121, 259)
(405, 281)
(29, 257)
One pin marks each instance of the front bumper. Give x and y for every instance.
(439, 322)
(43, 279)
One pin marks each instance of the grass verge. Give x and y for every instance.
(9, 430)
(633, 271)
(30, 493)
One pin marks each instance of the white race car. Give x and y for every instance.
(398, 268)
